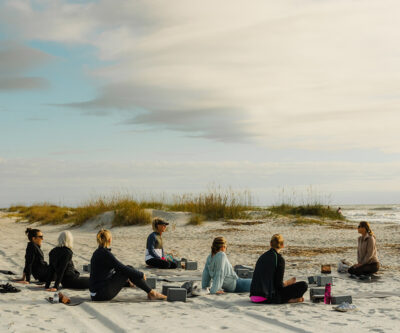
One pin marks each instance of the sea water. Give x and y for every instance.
(372, 213)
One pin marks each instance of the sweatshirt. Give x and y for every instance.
(154, 246)
(104, 265)
(220, 271)
(34, 263)
(268, 275)
(366, 252)
(61, 266)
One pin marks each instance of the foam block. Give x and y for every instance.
(86, 268)
(324, 280)
(312, 279)
(341, 299)
(178, 263)
(165, 288)
(317, 294)
(176, 295)
(151, 282)
(244, 273)
(237, 267)
(191, 265)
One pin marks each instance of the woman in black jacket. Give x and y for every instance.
(108, 275)
(34, 259)
(267, 285)
(62, 268)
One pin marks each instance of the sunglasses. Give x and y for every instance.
(360, 226)
(41, 236)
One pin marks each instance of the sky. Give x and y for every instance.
(166, 97)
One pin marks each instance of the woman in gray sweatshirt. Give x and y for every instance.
(219, 270)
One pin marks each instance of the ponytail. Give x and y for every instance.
(30, 233)
(217, 244)
(104, 237)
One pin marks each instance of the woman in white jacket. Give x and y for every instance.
(219, 270)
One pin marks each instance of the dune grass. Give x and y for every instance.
(196, 219)
(315, 209)
(45, 213)
(214, 204)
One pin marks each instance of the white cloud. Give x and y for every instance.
(309, 74)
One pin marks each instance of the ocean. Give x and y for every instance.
(372, 213)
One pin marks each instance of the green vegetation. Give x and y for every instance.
(307, 210)
(307, 221)
(45, 213)
(214, 204)
(196, 219)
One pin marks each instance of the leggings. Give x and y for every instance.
(78, 283)
(114, 285)
(364, 269)
(159, 263)
(295, 290)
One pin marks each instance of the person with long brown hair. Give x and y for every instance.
(108, 275)
(367, 258)
(219, 270)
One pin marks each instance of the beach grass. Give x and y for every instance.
(315, 209)
(196, 219)
(214, 204)
(44, 213)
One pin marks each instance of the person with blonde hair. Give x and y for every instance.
(62, 268)
(219, 270)
(367, 258)
(108, 275)
(154, 255)
(267, 285)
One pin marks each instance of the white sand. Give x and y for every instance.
(27, 311)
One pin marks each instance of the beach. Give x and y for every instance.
(307, 246)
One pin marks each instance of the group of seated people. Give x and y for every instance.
(108, 275)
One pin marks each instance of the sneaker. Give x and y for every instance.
(197, 291)
(344, 307)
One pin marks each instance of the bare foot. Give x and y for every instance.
(296, 300)
(64, 299)
(154, 295)
(131, 285)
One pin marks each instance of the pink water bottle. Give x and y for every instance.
(327, 296)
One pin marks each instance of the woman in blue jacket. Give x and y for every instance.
(219, 270)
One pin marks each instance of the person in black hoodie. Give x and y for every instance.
(267, 285)
(34, 259)
(108, 275)
(62, 268)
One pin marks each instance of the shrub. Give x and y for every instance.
(307, 210)
(44, 213)
(214, 204)
(131, 214)
(196, 219)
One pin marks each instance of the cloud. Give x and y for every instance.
(17, 59)
(321, 76)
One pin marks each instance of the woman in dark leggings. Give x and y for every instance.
(267, 285)
(154, 247)
(108, 276)
(34, 259)
(62, 268)
(367, 258)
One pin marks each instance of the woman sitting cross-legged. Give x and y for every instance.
(267, 285)
(366, 253)
(108, 275)
(62, 268)
(34, 258)
(154, 256)
(219, 270)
